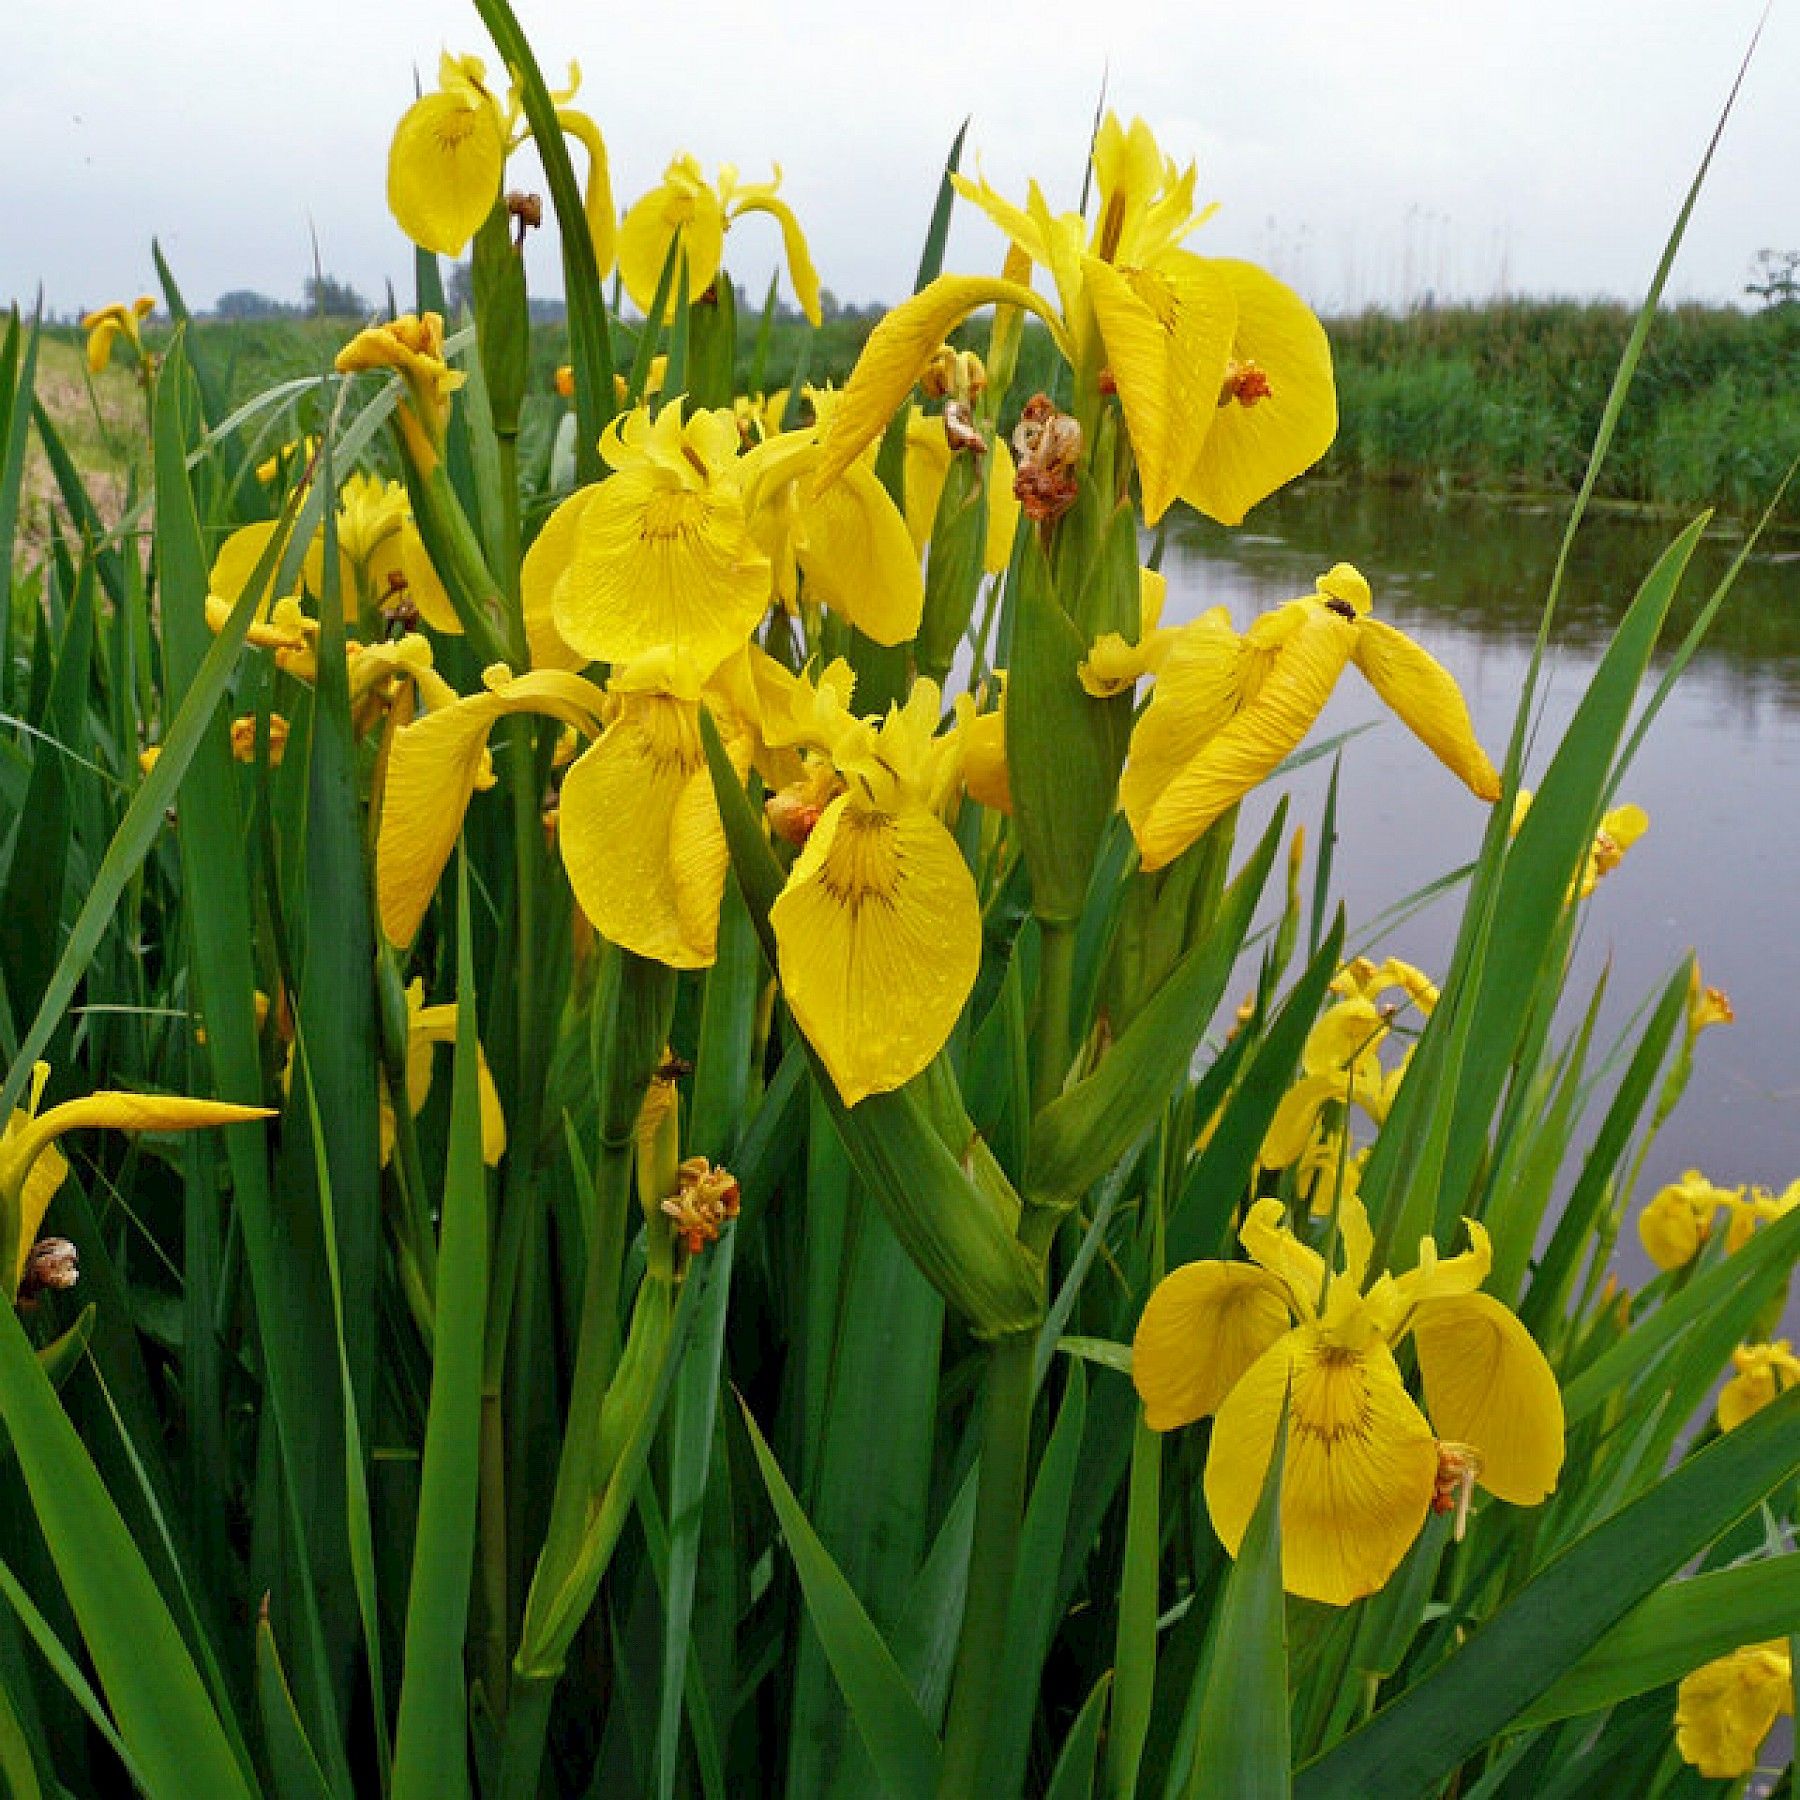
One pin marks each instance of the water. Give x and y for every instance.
(1719, 773)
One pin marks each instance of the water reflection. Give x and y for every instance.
(1719, 772)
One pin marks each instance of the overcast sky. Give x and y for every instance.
(1368, 152)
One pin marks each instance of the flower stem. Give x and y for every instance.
(1050, 1050)
(993, 1559)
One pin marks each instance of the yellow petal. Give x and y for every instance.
(431, 772)
(1724, 1710)
(986, 778)
(1168, 334)
(1299, 1268)
(1361, 1464)
(858, 557)
(100, 343)
(1248, 748)
(793, 246)
(1487, 1384)
(445, 168)
(28, 1155)
(597, 195)
(423, 586)
(538, 575)
(655, 563)
(1291, 1129)
(1425, 697)
(1252, 450)
(879, 935)
(236, 562)
(1196, 693)
(1203, 1326)
(896, 354)
(1671, 1230)
(641, 836)
(1448, 1277)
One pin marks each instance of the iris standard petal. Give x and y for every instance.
(1168, 333)
(1361, 1464)
(444, 169)
(1272, 1244)
(879, 935)
(1203, 1326)
(1424, 696)
(1268, 430)
(1487, 1385)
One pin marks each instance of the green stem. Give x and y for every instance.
(508, 444)
(1050, 1048)
(495, 1624)
(993, 1559)
(527, 1733)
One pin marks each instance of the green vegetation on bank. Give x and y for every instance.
(1501, 397)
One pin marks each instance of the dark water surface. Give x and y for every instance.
(1719, 773)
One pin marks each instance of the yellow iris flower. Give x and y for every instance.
(878, 929)
(448, 159)
(1619, 829)
(382, 559)
(426, 1028)
(108, 324)
(1363, 1464)
(32, 1169)
(1339, 1063)
(657, 557)
(294, 457)
(698, 212)
(1223, 374)
(1679, 1219)
(1724, 1710)
(413, 347)
(1226, 709)
(1763, 1373)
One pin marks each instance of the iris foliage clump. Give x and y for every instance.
(629, 1163)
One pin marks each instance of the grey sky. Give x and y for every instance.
(1365, 151)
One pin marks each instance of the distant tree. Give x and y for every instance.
(1776, 277)
(459, 288)
(247, 303)
(330, 298)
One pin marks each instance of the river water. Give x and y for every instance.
(1719, 773)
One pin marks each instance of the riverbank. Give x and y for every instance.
(1501, 398)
